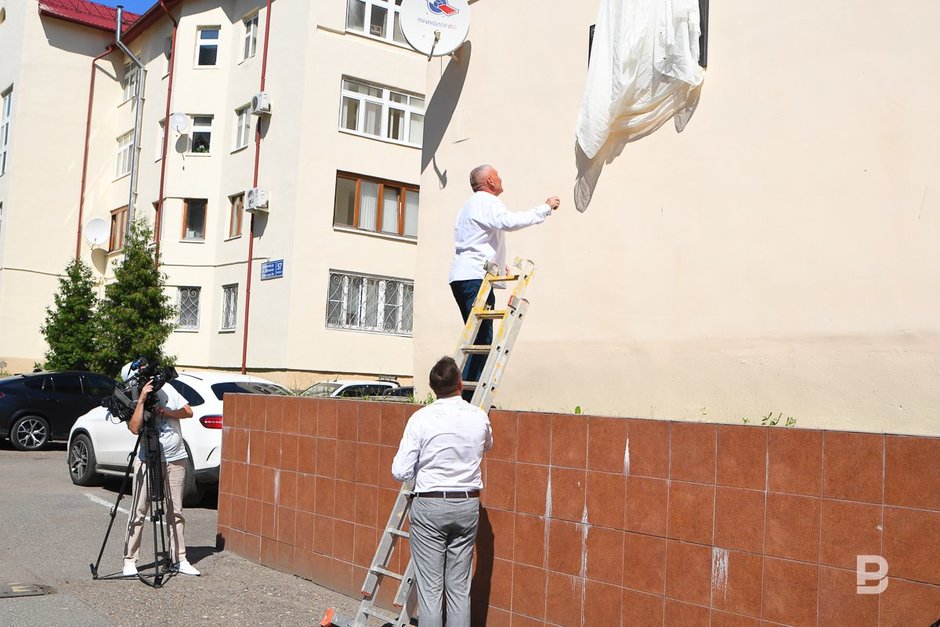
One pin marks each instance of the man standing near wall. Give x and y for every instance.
(478, 239)
(441, 449)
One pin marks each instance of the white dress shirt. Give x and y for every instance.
(478, 234)
(443, 446)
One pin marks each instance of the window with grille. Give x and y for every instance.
(251, 37)
(368, 303)
(229, 306)
(379, 111)
(118, 227)
(207, 48)
(375, 205)
(236, 211)
(376, 18)
(129, 82)
(188, 306)
(125, 145)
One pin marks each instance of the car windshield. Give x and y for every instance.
(248, 387)
(321, 389)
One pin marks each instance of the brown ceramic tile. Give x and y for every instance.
(641, 610)
(520, 620)
(290, 414)
(392, 424)
(268, 521)
(272, 450)
(602, 603)
(367, 505)
(912, 544)
(256, 441)
(289, 452)
(370, 422)
(347, 453)
(853, 467)
(529, 542)
(534, 438)
(502, 527)
(500, 585)
(347, 420)
(692, 452)
(565, 552)
(239, 478)
(794, 461)
(726, 619)
(568, 498)
(286, 488)
(848, 529)
(504, 424)
(605, 555)
(739, 519)
(499, 484)
(251, 548)
(384, 478)
(742, 456)
(531, 487)
(688, 572)
(908, 603)
(256, 412)
(267, 486)
(327, 412)
(569, 441)
(790, 592)
(528, 590)
(325, 496)
(496, 617)
(607, 444)
(648, 443)
(307, 454)
(563, 601)
(343, 538)
(286, 524)
(691, 512)
(268, 552)
(253, 516)
(272, 412)
(840, 603)
(326, 457)
(912, 474)
(365, 542)
(606, 496)
(792, 527)
(344, 507)
(367, 464)
(231, 416)
(343, 577)
(679, 614)
(736, 582)
(306, 417)
(645, 508)
(644, 563)
(240, 445)
(303, 531)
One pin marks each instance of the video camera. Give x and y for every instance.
(122, 402)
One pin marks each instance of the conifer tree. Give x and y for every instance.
(135, 318)
(69, 328)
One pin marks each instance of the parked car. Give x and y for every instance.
(38, 407)
(349, 389)
(100, 444)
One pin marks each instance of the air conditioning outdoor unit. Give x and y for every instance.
(256, 200)
(261, 103)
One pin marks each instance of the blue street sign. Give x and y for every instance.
(272, 269)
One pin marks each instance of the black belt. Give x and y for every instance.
(463, 494)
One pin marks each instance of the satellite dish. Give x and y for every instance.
(179, 122)
(96, 232)
(435, 27)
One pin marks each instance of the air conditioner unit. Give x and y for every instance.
(256, 200)
(261, 103)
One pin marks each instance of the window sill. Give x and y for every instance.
(226, 331)
(232, 238)
(123, 176)
(179, 330)
(388, 236)
(200, 155)
(192, 241)
(206, 67)
(385, 140)
(383, 40)
(370, 332)
(246, 59)
(239, 148)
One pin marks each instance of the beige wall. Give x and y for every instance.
(777, 256)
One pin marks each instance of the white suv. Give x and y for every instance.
(349, 389)
(100, 444)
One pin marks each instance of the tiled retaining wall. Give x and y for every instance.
(606, 521)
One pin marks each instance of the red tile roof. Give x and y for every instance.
(85, 13)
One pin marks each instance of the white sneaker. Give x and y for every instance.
(185, 568)
(130, 568)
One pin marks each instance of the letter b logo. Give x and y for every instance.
(863, 575)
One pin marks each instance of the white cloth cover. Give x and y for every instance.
(644, 70)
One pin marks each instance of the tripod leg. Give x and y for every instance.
(127, 474)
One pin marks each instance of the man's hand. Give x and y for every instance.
(553, 202)
(146, 390)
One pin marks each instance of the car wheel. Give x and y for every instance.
(29, 433)
(193, 492)
(82, 461)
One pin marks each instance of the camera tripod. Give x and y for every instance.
(148, 441)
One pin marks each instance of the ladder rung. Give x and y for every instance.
(490, 314)
(378, 570)
(469, 385)
(506, 277)
(477, 349)
(398, 532)
(388, 618)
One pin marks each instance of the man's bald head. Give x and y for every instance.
(485, 178)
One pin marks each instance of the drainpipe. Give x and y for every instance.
(81, 195)
(254, 183)
(166, 137)
(138, 103)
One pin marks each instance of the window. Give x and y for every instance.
(236, 211)
(194, 219)
(188, 306)
(125, 145)
(242, 127)
(118, 226)
(6, 111)
(129, 82)
(167, 54)
(207, 53)
(382, 112)
(378, 18)
(192, 397)
(375, 205)
(161, 132)
(251, 37)
(368, 303)
(229, 306)
(201, 134)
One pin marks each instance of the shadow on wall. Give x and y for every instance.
(442, 106)
(483, 575)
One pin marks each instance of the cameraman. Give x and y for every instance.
(169, 409)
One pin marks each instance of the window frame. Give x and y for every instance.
(202, 129)
(345, 279)
(250, 36)
(179, 307)
(205, 219)
(242, 127)
(229, 296)
(387, 104)
(236, 215)
(129, 81)
(122, 165)
(118, 229)
(6, 121)
(200, 42)
(161, 132)
(393, 15)
(404, 190)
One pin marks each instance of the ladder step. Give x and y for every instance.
(378, 570)
(490, 314)
(398, 532)
(388, 618)
(477, 349)
(506, 277)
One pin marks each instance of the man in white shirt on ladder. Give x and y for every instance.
(441, 449)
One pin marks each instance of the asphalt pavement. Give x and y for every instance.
(51, 530)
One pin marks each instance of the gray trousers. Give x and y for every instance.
(174, 475)
(442, 535)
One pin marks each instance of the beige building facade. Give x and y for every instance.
(779, 256)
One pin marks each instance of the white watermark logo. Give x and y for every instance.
(863, 575)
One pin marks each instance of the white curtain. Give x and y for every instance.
(368, 204)
(411, 213)
(390, 210)
(373, 122)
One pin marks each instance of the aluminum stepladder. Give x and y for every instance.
(504, 336)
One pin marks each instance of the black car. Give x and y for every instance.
(42, 406)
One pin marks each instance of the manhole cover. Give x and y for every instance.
(23, 590)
